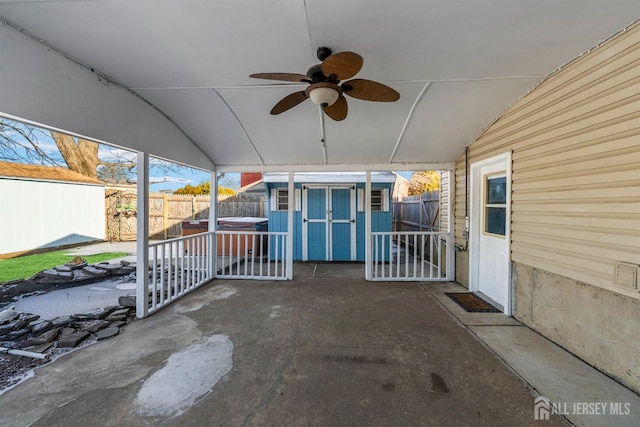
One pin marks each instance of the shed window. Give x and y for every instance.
(379, 200)
(282, 200)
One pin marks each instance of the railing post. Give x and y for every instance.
(289, 243)
(367, 227)
(451, 253)
(212, 253)
(142, 241)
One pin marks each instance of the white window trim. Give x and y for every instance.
(297, 198)
(385, 200)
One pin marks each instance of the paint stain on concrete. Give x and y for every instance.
(187, 376)
(439, 386)
(355, 359)
(389, 385)
(216, 294)
(275, 311)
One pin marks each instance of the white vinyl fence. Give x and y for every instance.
(178, 266)
(408, 255)
(252, 255)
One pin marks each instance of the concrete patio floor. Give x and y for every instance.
(315, 351)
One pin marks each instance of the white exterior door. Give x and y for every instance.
(490, 249)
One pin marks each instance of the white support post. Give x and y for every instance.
(367, 228)
(213, 225)
(451, 253)
(142, 242)
(290, 215)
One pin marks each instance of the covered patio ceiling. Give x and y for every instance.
(184, 66)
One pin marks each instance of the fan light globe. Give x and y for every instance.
(324, 96)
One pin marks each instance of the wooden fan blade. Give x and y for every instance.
(338, 110)
(286, 77)
(288, 102)
(369, 90)
(343, 65)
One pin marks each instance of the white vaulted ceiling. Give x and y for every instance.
(457, 65)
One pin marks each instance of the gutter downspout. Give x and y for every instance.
(466, 203)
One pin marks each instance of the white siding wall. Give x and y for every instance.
(576, 166)
(35, 214)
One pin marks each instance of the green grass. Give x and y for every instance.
(26, 266)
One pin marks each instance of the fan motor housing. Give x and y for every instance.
(323, 53)
(315, 73)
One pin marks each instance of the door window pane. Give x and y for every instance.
(495, 206)
(495, 220)
(497, 191)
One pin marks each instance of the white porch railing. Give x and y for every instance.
(181, 265)
(178, 266)
(408, 255)
(252, 255)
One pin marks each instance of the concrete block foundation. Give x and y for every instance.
(462, 268)
(595, 324)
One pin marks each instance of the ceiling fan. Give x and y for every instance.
(324, 87)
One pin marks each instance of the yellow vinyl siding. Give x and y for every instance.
(575, 141)
(598, 68)
(444, 201)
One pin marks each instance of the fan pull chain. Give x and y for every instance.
(322, 135)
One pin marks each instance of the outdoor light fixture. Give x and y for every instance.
(323, 94)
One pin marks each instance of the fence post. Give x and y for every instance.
(165, 215)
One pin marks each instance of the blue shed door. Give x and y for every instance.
(328, 223)
(342, 223)
(315, 222)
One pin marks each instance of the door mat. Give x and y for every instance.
(472, 303)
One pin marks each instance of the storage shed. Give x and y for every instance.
(329, 219)
(45, 207)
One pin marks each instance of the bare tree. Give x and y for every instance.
(24, 143)
(229, 181)
(21, 143)
(80, 155)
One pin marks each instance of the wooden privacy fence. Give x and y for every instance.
(243, 205)
(417, 213)
(167, 211)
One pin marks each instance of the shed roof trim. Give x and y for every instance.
(330, 177)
